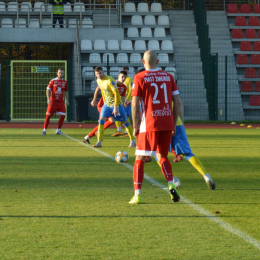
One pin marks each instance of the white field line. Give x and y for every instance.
(199, 209)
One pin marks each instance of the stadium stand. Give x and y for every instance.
(142, 8)
(247, 86)
(240, 21)
(232, 8)
(222, 35)
(256, 9)
(237, 33)
(257, 86)
(110, 56)
(242, 59)
(245, 46)
(254, 101)
(255, 59)
(126, 45)
(250, 34)
(173, 33)
(146, 32)
(156, 8)
(253, 21)
(163, 20)
(130, 7)
(245, 9)
(86, 45)
(113, 45)
(250, 73)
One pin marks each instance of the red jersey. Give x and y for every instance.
(122, 89)
(156, 88)
(57, 88)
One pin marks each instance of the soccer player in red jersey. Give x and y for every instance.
(153, 92)
(55, 100)
(122, 91)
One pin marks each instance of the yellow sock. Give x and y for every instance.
(159, 164)
(195, 162)
(128, 120)
(118, 123)
(100, 132)
(130, 132)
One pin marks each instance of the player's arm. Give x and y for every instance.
(129, 91)
(48, 92)
(66, 94)
(177, 109)
(135, 114)
(117, 97)
(181, 114)
(115, 91)
(48, 95)
(94, 100)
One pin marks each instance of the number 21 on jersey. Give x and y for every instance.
(157, 89)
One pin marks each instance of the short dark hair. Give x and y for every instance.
(61, 69)
(98, 68)
(125, 68)
(123, 72)
(140, 70)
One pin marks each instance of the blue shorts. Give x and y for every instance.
(180, 141)
(128, 111)
(107, 112)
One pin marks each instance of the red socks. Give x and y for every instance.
(166, 169)
(60, 122)
(92, 133)
(106, 125)
(138, 174)
(47, 121)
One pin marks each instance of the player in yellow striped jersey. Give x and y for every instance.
(113, 106)
(180, 148)
(128, 99)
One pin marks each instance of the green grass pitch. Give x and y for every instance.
(62, 200)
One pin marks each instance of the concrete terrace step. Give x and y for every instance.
(191, 82)
(190, 42)
(191, 64)
(183, 33)
(180, 12)
(181, 58)
(221, 37)
(217, 33)
(177, 29)
(217, 13)
(186, 51)
(183, 24)
(185, 37)
(184, 70)
(190, 76)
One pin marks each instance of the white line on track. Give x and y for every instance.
(199, 209)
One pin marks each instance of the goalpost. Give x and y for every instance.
(29, 80)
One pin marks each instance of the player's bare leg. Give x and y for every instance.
(138, 176)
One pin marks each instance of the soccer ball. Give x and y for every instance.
(121, 157)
